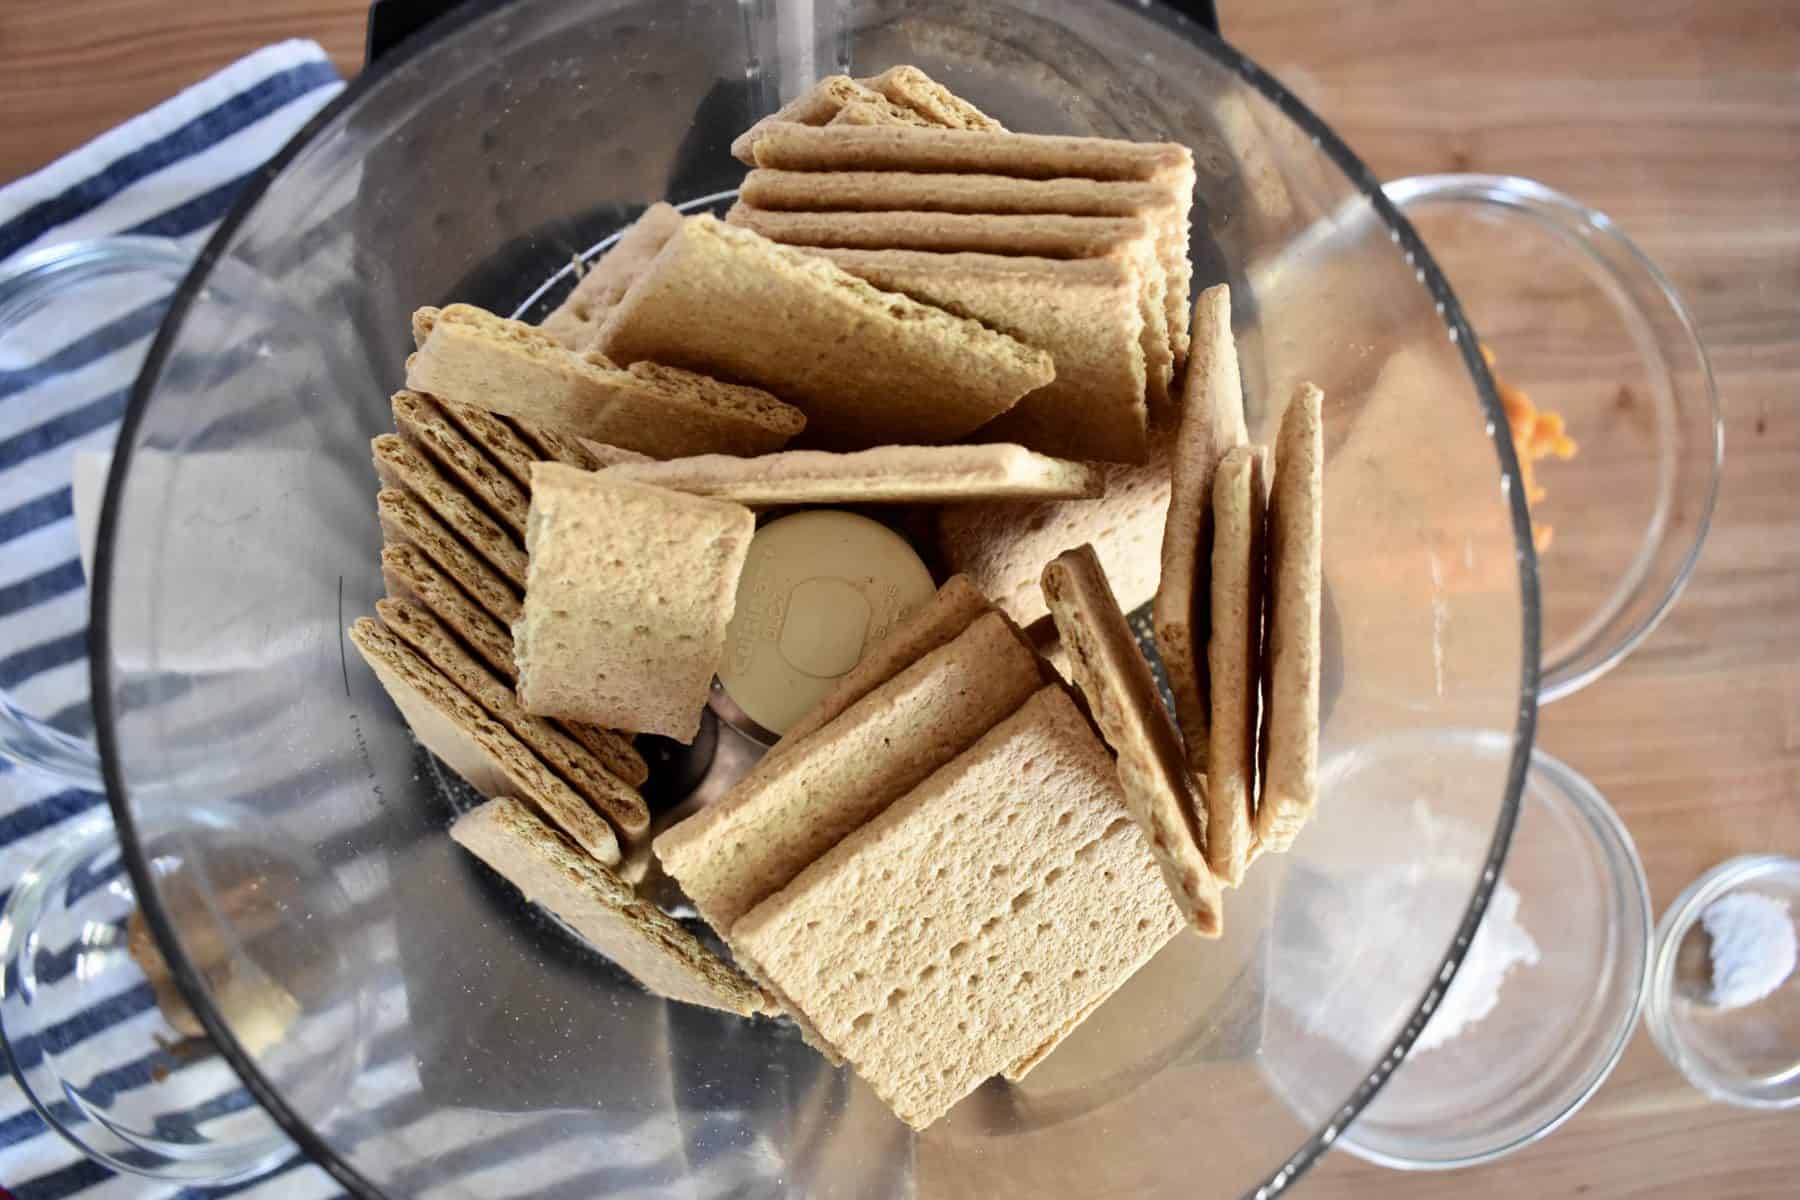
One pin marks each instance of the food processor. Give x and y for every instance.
(415, 1027)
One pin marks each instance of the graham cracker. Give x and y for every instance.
(1162, 202)
(879, 111)
(1234, 660)
(575, 321)
(937, 623)
(1290, 749)
(887, 475)
(1021, 156)
(1025, 1066)
(1003, 548)
(868, 367)
(1037, 236)
(747, 845)
(410, 576)
(1121, 695)
(399, 465)
(955, 151)
(578, 767)
(1041, 235)
(515, 445)
(577, 452)
(495, 438)
(771, 190)
(1084, 312)
(593, 900)
(474, 745)
(550, 446)
(1212, 422)
(826, 101)
(424, 425)
(914, 90)
(405, 519)
(630, 590)
(902, 95)
(468, 356)
(955, 933)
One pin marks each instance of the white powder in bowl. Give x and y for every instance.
(1753, 947)
(1499, 945)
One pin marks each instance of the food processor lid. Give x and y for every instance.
(383, 73)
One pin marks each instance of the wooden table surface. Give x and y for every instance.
(1680, 118)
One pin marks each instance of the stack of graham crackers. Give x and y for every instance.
(956, 857)
(1075, 245)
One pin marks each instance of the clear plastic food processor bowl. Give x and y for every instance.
(443, 1039)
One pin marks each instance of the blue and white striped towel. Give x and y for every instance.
(171, 172)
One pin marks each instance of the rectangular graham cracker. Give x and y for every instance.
(474, 745)
(499, 441)
(1234, 660)
(868, 367)
(953, 935)
(468, 356)
(1025, 1066)
(1212, 422)
(400, 465)
(824, 103)
(1036, 236)
(878, 111)
(1084, 312)
(617, 801)
(550, 446)
(1017, 155)
(911, 88)
(630, 590)
(421, 422)
(746, 846)
(405, 519)
(888, 475)
(902, 95)
(411, 576)
(640, 938)
(1045, 235)
(937, 623)
(1003, 548)
(578, 318)
(1121, 694)
(1290, 749)
(581, 453)
(772, 190)
(1162, 202)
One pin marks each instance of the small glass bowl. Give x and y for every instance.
(1748, 1056)
(1558, 1025)
(1582, 322)
(86, 1036)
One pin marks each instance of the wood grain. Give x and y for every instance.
(71, 71)
(1680, 118)
(1682, 121)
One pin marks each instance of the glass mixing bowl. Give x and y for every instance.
(1744, 1054)
(441, 1037)
(1583, 322)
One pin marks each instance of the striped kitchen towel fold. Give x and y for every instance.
(172, 172)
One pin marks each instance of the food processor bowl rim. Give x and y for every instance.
(462, 17)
